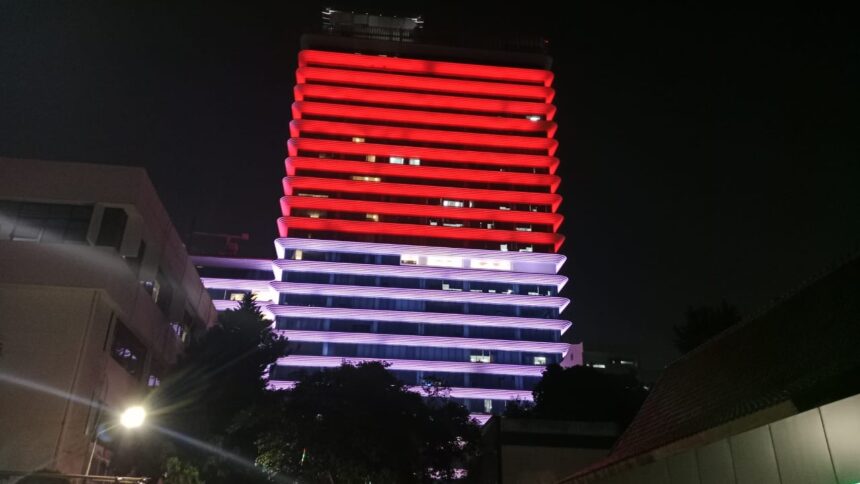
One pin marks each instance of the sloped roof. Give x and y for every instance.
(808, 340)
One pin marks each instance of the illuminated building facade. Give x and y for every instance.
(419, 221)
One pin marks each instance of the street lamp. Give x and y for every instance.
(132, 418)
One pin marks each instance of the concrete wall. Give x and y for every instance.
(820, 446)
(56, 340)
(544, 465)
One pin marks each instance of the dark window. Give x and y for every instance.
(112, 227)
(165, 292)
(45, 222)
(127, 350)
(134, 262)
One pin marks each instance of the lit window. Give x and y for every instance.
(502, 207)
(237, 296)
(314, 195)
(396, 160)
(370, 158)
(357, 139)
(366, 178)
(410, 260)
(434, 222)
(527, 248)
(127, 350)
(482, 358)
(452, 224)
(153, 381)
(524, 228)
(441, 261)
(488, 406)
(372, 217)
(314, 214)
(490, 264)
(534, 293)
(489, 225)
(533, 118)
(540, 360)
(297, 255)
(447, 287)
(599, 365)
(452, 203)
(503, 247)
(180, 330)
(625, 362)
(414, 161)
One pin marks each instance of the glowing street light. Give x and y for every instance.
(133, 417)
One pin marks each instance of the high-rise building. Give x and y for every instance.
(419, 219)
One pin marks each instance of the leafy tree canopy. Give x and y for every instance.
(584, 394)
(360, 424)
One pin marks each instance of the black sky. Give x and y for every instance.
(706, 154)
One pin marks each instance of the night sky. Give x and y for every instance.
(706, 154)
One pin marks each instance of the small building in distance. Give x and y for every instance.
(97, 299)
(613, 359)
(775, 399)
(535, 451)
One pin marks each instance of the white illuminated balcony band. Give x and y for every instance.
(454, 392)
(268, 289)
(426, 341)
(312, 289)
(415, 317)
(424, 272)
(521, 261)
(414, 365)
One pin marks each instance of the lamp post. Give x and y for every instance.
(132, 418)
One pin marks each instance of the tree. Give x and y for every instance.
(360, 424)
(585, 394)
(703, 323)
(216, 393)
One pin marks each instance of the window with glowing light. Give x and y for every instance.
(409, 260)
(441, 261)
(127, 350)
(483, 357)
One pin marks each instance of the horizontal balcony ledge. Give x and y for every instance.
(544, 347)
(414, 365)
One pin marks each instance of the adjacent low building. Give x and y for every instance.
(535, 451)
(97, 298)
(772, 400)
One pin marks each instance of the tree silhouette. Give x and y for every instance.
(585, 394)
(215, 393)
(703, 323)
(360, 424)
